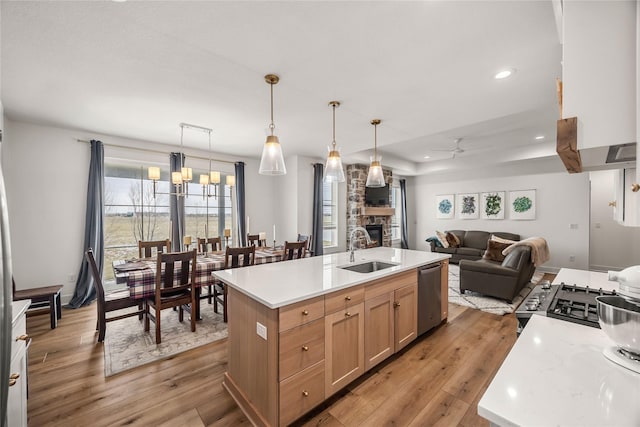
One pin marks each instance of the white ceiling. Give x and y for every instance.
(137, 69)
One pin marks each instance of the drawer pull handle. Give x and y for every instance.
(12, 383)
(347, 314)
(22, 337)
(305, 393)
(305, 312)
(13, 379)
(347, 298)
(305, 348)
(396, 304)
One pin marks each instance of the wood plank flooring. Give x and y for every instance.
(437, 380)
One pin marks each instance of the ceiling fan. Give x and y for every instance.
(455, 150)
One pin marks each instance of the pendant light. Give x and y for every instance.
(272, 161)
(375, 178)
(333, 171)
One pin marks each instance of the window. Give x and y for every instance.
(132, 213)
(395, 218)
(329, 214)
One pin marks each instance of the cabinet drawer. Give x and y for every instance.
(342, 299)
(389, 284)
(301, 313)
(301, 393)
(19, 329)
(301, 347)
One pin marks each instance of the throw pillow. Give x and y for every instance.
(494, 250)
(443, 239)
(453, 240)
(435, 240)
(501, 240)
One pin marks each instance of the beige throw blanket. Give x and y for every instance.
(539, 249)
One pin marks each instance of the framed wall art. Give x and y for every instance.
(522, 204)
(445, 206)
(492, 205)
(468, 206)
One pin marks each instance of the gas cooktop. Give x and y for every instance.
(576, 304)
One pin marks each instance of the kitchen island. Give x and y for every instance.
(301, 330)
(556, 374)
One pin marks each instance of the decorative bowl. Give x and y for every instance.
(619, 318)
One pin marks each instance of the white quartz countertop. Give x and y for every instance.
(583, 278)
(17, 308)
(556, 375)
(282, 283)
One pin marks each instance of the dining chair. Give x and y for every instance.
(171, 293)
(233, 258)
(215, 242)
(254, 239)
(307, 238)
(203, 246)
(113, 301)
(145, 248)
(46, 296)
(294, 250)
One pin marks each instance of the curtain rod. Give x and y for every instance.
(150, 150)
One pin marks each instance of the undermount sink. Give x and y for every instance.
(368, 267)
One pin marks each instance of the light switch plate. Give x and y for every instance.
(261, 330)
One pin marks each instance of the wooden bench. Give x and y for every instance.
(46, 296)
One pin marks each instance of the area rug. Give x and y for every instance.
(127, 345)
(484, 303)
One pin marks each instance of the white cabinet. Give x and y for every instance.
(17, 399)
(599, 70)
(627, 203)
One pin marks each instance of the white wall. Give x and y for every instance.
(46, 171)
(612, 246)
(562, 199)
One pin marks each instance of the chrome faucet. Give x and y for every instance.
(352, 257)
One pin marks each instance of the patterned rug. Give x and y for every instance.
(127, 345)
(484, 303)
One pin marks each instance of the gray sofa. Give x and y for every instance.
(472, 244)
(501, 280)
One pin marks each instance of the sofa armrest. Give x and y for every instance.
(487, 267)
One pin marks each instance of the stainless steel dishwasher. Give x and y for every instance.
(429, 297)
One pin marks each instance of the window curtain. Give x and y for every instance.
(404, 241)
(176, 204)
(85, 290)
(240, 203)
(317, 246)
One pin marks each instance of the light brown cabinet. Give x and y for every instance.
(405, 311)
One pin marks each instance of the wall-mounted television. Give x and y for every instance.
(376, 196)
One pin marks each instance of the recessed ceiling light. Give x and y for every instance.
(503, 74)
(427, 157)
(540, 137)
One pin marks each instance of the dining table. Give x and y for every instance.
(140, 273)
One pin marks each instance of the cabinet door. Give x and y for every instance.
(406, 315)
(444, 289)
(378, 321)
(344, 347)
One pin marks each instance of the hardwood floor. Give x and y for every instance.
(437, 380)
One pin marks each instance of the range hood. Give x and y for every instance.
(621, 153)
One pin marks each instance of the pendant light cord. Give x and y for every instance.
(334, 127)
(272, 126)
(375, 142)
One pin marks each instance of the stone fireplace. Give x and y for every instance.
(358, 214)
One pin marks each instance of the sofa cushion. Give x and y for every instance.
(469, 251)
(476, 239)
(513, 258)
(494, 250)
(460, 235)
(442, 237)
(507, 236)
(447, 250)
(452, 240)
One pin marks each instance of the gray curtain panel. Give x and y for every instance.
(240, 202)
(318, 171)
(85, 291)
(404, 241)
(176, 204)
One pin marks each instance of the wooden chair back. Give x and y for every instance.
(294, 250)
(145, 248)
(305, 238)
(254, 239)
(215, 242)
(166, 284)
(96, 276)
(239, 257)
